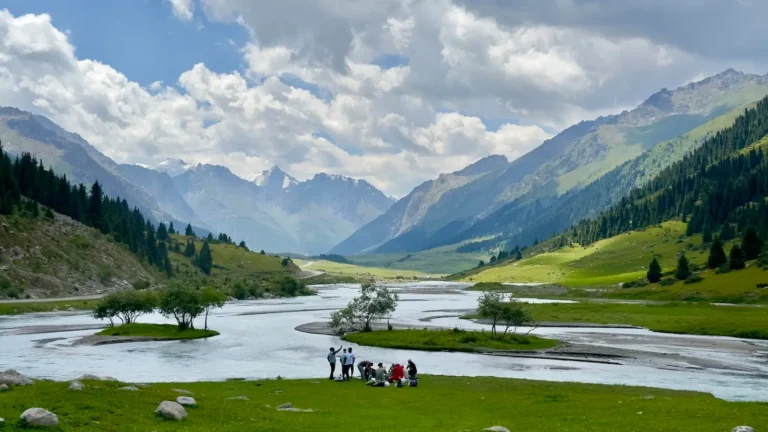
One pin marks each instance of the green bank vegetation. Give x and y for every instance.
(449, 340)
(159, 331)
(438, 404)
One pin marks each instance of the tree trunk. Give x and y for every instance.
(206, 318)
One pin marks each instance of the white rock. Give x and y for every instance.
(3, 387)
(129, 388)
(76, 385)
(743, 429)
(12, 378)
(289, 407)
(182, 391)
(186, 401)
(496, 429)
(285, 406)
(39, 417)
(171, 410)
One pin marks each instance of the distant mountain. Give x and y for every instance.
(172, 167)
(461, 206)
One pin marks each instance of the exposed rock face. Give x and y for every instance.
(186, 401)
(40, 417)
(12, 378)
(743, 429)
(171, 411)
(76, 385)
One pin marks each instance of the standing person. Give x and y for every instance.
(350, 363)
(362, 367)
(343, 361)
(332, 360)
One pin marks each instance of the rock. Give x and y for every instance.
(285, 406)
(182, 391)
(39, 417)
(238, 398)
(108, 378)
(55, 309)
(12, 378)
(743, 429)
(129, 388)
(186, 401)
(496, 429)
(171, 411)
(3, 387)
(2, 422)
(71, 309)
(289, 407)
(88, 377)
(76, 385)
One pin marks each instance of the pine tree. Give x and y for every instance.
(706, 233)
(190, 251)
(189, 232)
(481, 263)
(205, 259)
(493, 259)
(654, 271)
(48, 213)
(727, 233)
(751, 244)
(716, 254)
(210, 237)
(736, 258)
(242, 245)
(94, 216)
(683, 270)
(162, 232)
(151, 244)
(519, 256)
(171, 229)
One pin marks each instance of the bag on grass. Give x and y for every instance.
(414, 382)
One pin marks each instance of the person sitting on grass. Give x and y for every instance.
(381, 376)
(412, 369)
(397, 373)
(370, 372)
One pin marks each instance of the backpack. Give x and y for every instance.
(414, 382)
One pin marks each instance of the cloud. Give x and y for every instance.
(183, 9)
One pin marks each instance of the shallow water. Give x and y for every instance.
(258, 340)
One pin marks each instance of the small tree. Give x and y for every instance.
(242, 245)
(726, 232)
(126, 305)
(183, 304)
(515, 314)
(481, 264)
(683, 270)
(205, 259)
(716, 254)
(518, 256)
(211, 298)
(490, 306)
(189, 232)
(374, 303)
(736, 258)
(751, 244)
(654, 271)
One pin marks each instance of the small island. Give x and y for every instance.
(450, 340)
(156, 332)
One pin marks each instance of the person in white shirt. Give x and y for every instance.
(350, 363)
(343, 361)
(332, 360)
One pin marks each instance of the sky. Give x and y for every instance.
(393, 91)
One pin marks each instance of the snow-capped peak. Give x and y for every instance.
(273, 177)
(173, 167)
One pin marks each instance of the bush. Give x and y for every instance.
(239, 292)
(762, 285)
(287, 286)
(140, 284)
(104, 273)
(667, 282)
(13, 293)
(127, 306)
(693, 279)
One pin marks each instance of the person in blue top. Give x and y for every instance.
(332, 360)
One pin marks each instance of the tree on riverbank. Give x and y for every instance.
(374, 303)
(183, 304)
(496, 307)
(211, 298)
(126, 305)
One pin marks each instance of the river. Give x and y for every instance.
(258, 340)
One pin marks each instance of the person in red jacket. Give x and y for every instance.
(398, 373)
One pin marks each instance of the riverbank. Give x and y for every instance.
(682, 318)
(46, 305)
(450, 340)
(438, 404)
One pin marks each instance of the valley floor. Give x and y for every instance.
(437, 404)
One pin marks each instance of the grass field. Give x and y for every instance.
(360, 272)
(438, 404)
(449, 340)
(167, 331)
(686, 318)
(622, 258)
(442, 260)
(26, 307)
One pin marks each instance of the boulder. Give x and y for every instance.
(182, 391)
(88, 377)
(186, 401)
(289, 407)
(171, 411)
(39, 417)
(496, 429)
(76, 385)
(129, 388)
(4, 387)
(12, 378)
(743, 429)
(285, 406)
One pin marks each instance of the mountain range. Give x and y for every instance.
(495, 200)
(273, 211)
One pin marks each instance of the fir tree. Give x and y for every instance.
(736, 258)
(727, 233)
(716, 254)
(151, 245)
(205, 259)
(683, 270)
(94, 216)
(262, 252)
(190, 250)
(493, 259)
(751, 244)
(48, 213)
(242, 245)
(706, 234)
(162, 232)
(654, 271)
(210, 237)
(171, 229)
(519, 256)
(189, 232)
(481, 263)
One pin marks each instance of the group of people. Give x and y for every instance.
(376, 376)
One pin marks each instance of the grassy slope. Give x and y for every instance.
(443, 260)
(438, 404)
(448, 340)
(167, 331)
(685, 318)
(22, 308)
(358, 271)
(62, 258)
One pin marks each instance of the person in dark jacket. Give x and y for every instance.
(362, 367)
(332, 360)
(412, 369)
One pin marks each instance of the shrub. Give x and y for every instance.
(104, 272)
(140, 284)
(762, 285)
(239, 292)
(667, 282)
(13, 293)
(693, 279)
